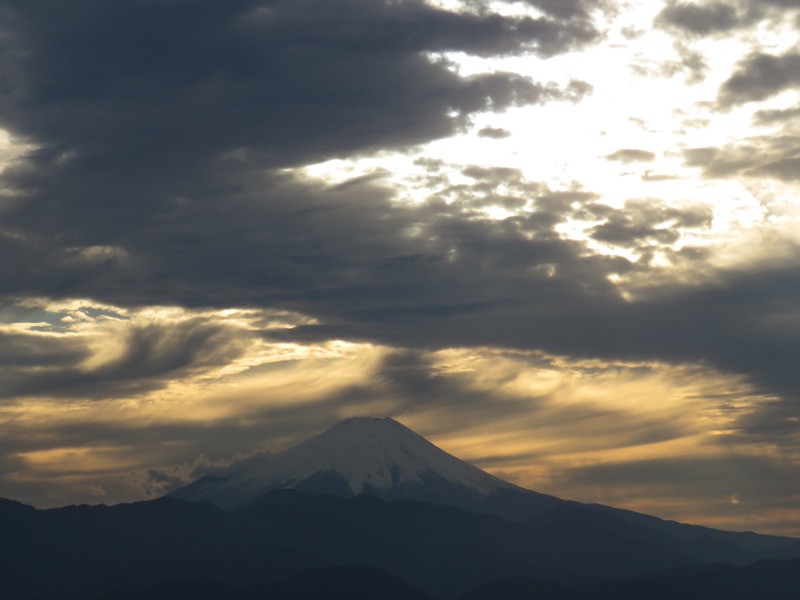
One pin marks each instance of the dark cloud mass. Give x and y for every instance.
(157, 129)
(760, 76)
(642, 222)
(567, 8)
(146, 104)
(147, 357)
(716, 18)
(158, 133)
(700, 19)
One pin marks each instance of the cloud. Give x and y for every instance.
(569, 9)
(440, 275)
(159, 481)
(712, 476)
(495, 133)
(759, 76)
(699, 19)
(122, 360)
(181, 129)
(732, 490)
(718, 322)
(773, 156)
(690, 62)
(21, 351)
(769, 117)
(786, 169)
(520, 404)
(629, 155)
(643, 222)
(289, 82)
(717, 18)
(184, 132)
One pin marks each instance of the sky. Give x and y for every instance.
(558, 238)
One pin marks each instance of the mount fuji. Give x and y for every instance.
(376, 457)
(369, 509)
(384, 459)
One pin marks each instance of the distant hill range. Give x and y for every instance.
(369, 509)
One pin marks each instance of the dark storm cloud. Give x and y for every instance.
(629, 155)
(695, 19)
(262, 75)
(699, 19)
(19, 350)
(746, 323)
(150, 356)
(642, 223)
(151, 121)
(498, 288)
(569, 9)
(759, 76)
(472, 282)
(137, 107)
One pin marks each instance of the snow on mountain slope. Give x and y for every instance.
(379, 457)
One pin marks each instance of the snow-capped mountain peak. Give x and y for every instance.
(380, 457)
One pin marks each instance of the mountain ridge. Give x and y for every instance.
(476, 531)
(87, 551)
(383, 458)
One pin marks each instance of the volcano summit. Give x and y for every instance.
(377, 457)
